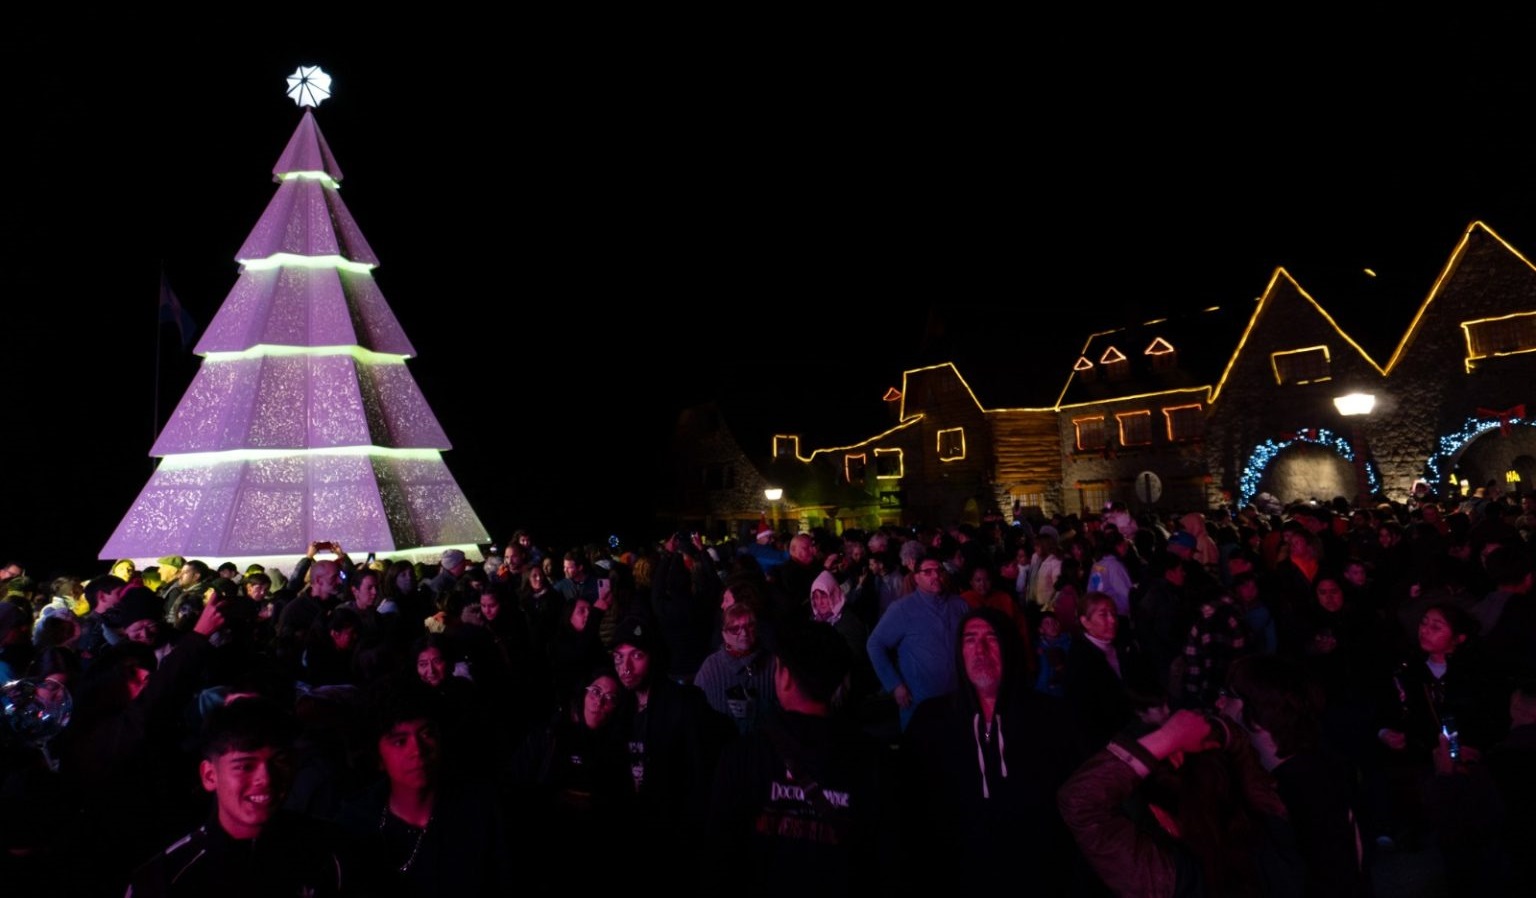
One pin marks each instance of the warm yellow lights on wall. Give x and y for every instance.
(1521, 343)
(862, 460)
(1092, 422)
(1168, 415)
(901, 464)
(951, 444)
(860, 444)
(1259, 310)
(786, 446)
(1136, 396)
(1434, 291)
(951, 367)
(1280, 377)
(1128, 437)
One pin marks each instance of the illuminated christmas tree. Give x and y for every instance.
(303, 422)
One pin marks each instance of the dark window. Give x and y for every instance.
(952, 443)
(1185, 422)
(1301, 366)
(1501, 336)
(1135, 428)
(1090, 432)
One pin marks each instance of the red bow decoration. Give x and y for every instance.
(1505, 416)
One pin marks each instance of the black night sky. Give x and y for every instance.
(582, 230)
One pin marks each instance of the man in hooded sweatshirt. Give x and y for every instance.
(982, 765)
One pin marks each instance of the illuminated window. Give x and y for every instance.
(1500, 336)
(853, 467)
(786, 446)
(889, 464)
(952, 444)
(1185, 422)
(1090, 432)
(1094, 495)
(1031, 502)
(1301, 366)
(893, 498)
(1085, 370)
(1135, 428)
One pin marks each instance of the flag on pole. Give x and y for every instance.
(171, 310)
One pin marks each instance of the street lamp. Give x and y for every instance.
(773, 494)
(1355, 405)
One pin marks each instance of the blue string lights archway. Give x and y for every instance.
(1450, 445)
(1265, 453)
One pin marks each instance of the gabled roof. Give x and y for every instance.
(1198, 341)
(1282, 288)
(1474, 230)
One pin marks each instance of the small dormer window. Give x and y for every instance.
(1162, 354)
(1115, 364)
(1085, 370)
(786, 446)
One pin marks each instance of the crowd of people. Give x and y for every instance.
(1216, 703)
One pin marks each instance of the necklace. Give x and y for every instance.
(421, 834)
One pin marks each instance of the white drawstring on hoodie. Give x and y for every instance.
(981, 758)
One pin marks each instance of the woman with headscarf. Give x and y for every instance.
(829, 606)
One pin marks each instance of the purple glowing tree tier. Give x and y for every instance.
(303, 422)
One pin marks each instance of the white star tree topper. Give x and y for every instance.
(309, 85)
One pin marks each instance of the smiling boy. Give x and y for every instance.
(249, 847)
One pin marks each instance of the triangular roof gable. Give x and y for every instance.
(1478, 239)
(1284, 299)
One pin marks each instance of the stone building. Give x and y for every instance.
(1213, 407)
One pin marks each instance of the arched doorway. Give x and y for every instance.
(1485, 449)
(1308, 471)
(1311, 464)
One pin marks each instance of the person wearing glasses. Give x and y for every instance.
(912, 647)
(571, 780)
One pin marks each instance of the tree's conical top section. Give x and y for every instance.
(307, 151)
